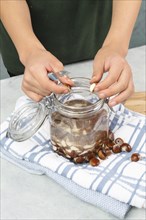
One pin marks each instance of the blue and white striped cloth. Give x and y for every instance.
(116, 177)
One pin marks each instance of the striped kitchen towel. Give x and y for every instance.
(116, 177)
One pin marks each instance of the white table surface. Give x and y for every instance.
(29, 196)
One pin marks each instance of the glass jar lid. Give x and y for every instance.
(26, 120)
(80, 102)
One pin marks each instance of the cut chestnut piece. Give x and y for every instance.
(119, 141)
(126, 147)
(94, 162)
(68, 86)
(92, 87)
(116, 149)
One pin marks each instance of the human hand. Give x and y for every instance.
(118, 82)
(36, 83)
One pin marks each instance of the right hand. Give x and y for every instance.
(36, 83)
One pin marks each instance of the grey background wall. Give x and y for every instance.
(139, 32)
(138, 36)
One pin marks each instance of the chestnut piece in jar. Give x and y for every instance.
(111, 135)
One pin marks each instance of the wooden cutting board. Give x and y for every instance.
(137, 102)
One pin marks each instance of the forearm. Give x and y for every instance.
(124, 16)
(15, 17)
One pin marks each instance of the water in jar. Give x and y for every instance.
(76, 137)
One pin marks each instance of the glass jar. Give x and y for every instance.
(78, 121)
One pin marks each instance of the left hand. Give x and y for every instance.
(118, 82)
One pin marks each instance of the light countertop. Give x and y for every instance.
(28, 196)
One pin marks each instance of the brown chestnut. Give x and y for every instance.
(110, 144)
(116, 149)
(101, 154)
(119, 141)
(72, 154)
(126, 147)
(98, 143)
(135, 157)
(89, 156)
(79, 159)
(108, 152)
(94, 161)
